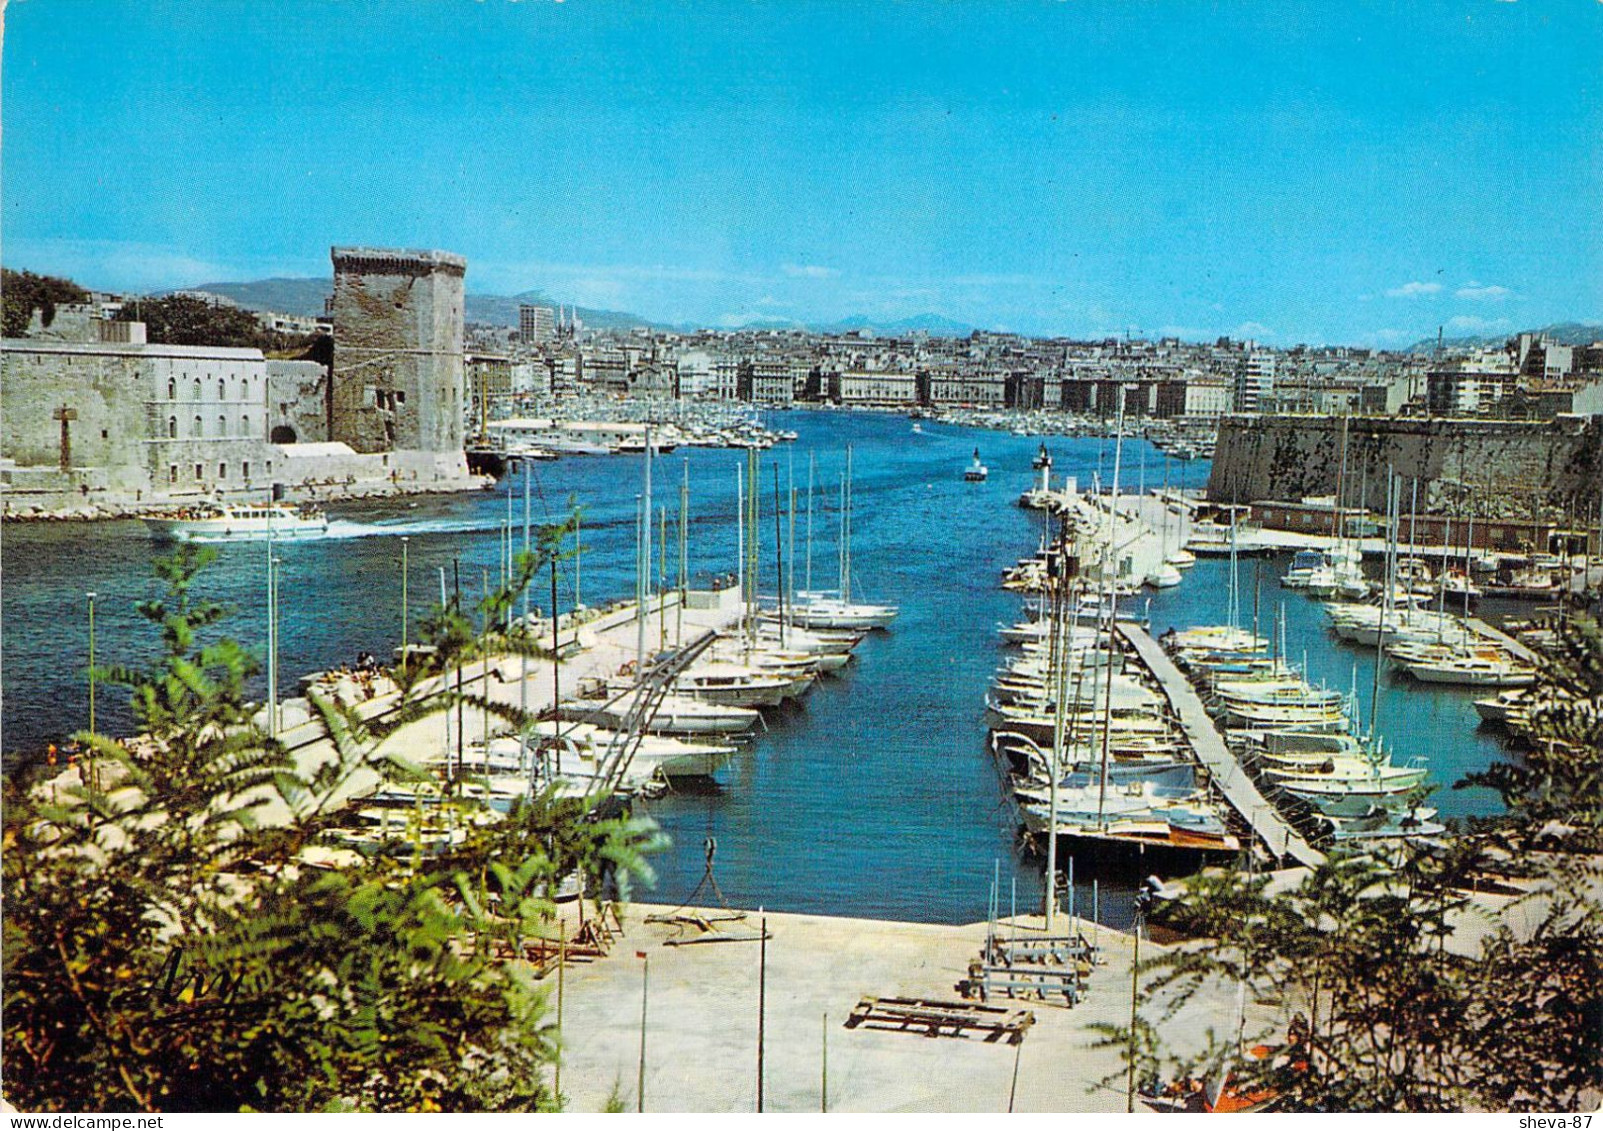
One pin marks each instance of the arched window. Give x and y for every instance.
(197, 388)
(222, 392)
(172, 428)
(244, 425)
(222, 425)
(200, 429)
(172, 389)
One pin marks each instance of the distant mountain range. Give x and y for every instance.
(306, 297)
(1562, 333)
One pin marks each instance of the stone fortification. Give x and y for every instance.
(1557, 463)
(397, 380)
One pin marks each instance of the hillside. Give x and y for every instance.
(306, 296)
(1563, 333)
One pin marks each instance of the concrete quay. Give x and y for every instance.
(702, 1015)
(607, 644)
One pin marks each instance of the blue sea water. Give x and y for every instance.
(875, 796)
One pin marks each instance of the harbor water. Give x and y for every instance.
(874, 796)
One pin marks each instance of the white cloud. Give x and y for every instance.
(1253, 330)
(1470, 324)
(1477, 293)
(1387, 337)
(809, 271)
(1414, 290)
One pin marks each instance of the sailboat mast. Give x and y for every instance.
(1393, 504)
(684, 554)
(1113, 617)
(779, 559)
(840, 548)
(641, 527)
(809, 560)
(790, 556)
(846, 582)
(1055, 654)
(740, 532)
(753, 544)
(523, 664)
(645, 564)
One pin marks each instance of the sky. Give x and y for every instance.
(1293, 172)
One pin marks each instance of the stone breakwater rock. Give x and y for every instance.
(94, 513)
(105, 511)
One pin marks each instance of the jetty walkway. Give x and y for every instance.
(1503, 640)
(1238, 788)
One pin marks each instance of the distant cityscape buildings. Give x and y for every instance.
(1255, 379)
(92, 409)
(537, 325)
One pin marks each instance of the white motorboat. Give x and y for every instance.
(1505, 707)
(976, 471)
(239, 522)
(1166, 576)
(1384, 824)
(1350, 798)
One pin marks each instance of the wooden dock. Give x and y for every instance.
(1234, 783)
(1503, 640)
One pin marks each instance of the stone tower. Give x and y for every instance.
(397, 381)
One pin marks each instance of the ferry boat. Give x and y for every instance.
(239, 522)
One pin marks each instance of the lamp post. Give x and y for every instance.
(91, 661)
(1142, 899)
(404, 606)
(273, 562)
(645, 989)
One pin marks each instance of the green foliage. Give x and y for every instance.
(24, 292)
(1554, 793)
(184, 320)
(183, 933)
(1406, 994)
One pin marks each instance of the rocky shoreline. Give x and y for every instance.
(106, 510)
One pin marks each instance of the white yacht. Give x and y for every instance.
(815, 610)
(239, 522)
(1166, 576)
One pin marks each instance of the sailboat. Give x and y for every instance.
(818, 610)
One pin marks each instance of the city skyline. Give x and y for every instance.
(1086, 170)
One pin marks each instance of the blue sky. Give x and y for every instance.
(1320, 172)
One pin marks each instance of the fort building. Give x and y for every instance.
(397, 381)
